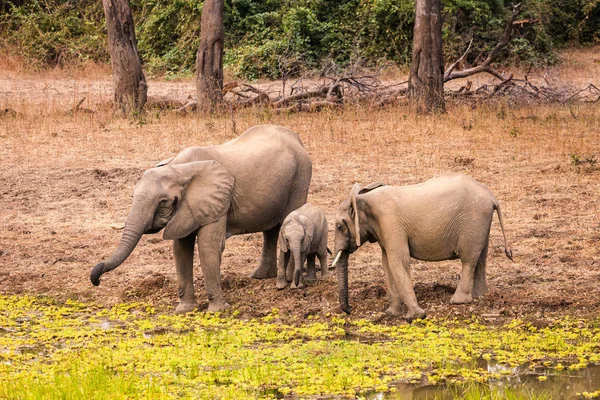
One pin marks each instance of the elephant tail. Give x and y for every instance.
(507, 251)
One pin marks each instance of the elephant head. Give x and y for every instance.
(179, 198)
(296, 235)
(350, 234)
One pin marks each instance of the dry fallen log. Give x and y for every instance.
(320, 92)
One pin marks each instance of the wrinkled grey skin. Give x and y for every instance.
(249, 184)
(303, 236)
(444, 218)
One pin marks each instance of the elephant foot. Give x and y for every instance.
(298, 286)
(461, 298)
(479, 291)
(310, 277)
(216, 306)
(325, 274)
(281, 284)
(186, 307)
(393, 311)
(417, 313)
(263, 272)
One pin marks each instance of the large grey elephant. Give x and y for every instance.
(249, 184)
(444, 218)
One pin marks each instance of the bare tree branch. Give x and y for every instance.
(485, 65)
(455, 64)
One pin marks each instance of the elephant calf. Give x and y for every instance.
(303, 236)
(445, 218)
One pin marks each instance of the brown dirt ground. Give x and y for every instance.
(65, 178)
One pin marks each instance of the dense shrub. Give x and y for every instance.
(269, 38)
(51, 32)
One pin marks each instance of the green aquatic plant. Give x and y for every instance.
(72, 350)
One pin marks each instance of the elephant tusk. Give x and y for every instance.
(118, 227)
(337, 257)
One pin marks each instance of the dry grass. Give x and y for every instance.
(64, 178)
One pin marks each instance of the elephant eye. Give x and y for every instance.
(163, 202)
(339, 227)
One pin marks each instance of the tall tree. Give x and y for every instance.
(426, 80)
(128, 78)
(209, 60)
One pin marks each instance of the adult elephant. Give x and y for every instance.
(211, 193)
(447, 217)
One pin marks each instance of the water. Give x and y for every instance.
(558, 385)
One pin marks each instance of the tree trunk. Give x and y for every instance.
(128, 77)
(426, 80)
(209, 60)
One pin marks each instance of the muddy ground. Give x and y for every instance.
(66, 177)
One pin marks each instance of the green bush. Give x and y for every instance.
(48, 32)
(271, 38)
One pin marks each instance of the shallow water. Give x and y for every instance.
(558, 385)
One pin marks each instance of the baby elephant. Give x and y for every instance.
(447, 217)
(303, 235)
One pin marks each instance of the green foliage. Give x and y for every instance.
(48, 32)
(272, 38)
(574, 21)
(131, 351)
(168, 34)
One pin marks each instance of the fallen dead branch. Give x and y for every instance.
(523, 90)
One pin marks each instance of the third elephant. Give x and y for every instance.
(447, 217)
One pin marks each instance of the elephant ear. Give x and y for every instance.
(309, 230)
(353, 193)
(205, 199)
(164, 162)
(370, 187)
(282, 244)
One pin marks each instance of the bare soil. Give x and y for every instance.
(66, 177)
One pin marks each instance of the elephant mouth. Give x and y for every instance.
(153, 230)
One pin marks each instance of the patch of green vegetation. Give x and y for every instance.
(77, 350)
(277, 37)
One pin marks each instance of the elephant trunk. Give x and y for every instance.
(295, 248)
(342, 281)
(135, 226)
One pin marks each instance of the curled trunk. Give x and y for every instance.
(342, 282)
(132, 234)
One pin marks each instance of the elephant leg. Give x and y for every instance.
(395, 307)
(463, 293)
(323, 258)
(211, 243)
(399, 267)
(480, 286)
(311, 268)
(268, 258)
(284, 258)
(183, 252)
